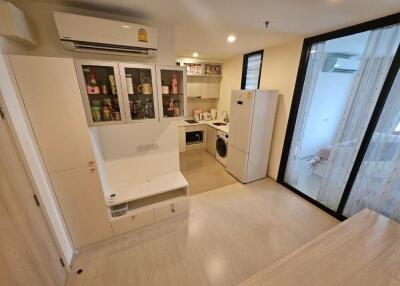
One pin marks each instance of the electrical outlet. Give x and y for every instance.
(147, 147)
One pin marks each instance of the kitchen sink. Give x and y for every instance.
(219, 124)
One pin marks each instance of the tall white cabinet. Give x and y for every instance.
(51, 96)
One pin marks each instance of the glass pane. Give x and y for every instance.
(377, 185)
(343, 81)
(102, 93)
(253, 71)
(140, 93)
(172, 93)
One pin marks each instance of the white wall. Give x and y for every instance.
(231, 79)
(279, 71)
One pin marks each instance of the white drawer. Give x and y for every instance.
(132, 222)
(170, 210)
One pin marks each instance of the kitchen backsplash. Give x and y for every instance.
(203, 104)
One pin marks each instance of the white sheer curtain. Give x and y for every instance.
(375, 63)
(377, 185)
(315, 65)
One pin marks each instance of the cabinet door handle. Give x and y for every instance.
(173, 208)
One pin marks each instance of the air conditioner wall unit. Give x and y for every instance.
(341, 64)
(14, 25)
(97, 35)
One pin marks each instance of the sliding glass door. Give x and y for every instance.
(377, 185)
(336, 99)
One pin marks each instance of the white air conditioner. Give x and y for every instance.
(90, 34)
(335, 63)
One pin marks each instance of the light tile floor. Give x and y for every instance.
(203, 171)
(230, 234)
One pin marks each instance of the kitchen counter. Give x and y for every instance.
(363, 250)
(224, 128)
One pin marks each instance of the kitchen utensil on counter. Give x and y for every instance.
(145, 88)
(206, 116)
(197, 114)
(129, 83)
(213, 113)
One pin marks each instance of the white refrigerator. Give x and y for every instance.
(252, 117)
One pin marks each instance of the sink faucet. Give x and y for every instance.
(225, 117)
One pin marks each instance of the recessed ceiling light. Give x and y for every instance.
(195, 54)
(231, 38)
(125, 26)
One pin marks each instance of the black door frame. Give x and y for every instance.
(301, 73)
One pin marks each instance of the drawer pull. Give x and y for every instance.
(133, 217)
(92, 170)
(173, 208)
(91, 163)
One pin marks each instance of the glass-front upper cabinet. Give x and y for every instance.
(139, 90)
(101, 92)
(171, 83)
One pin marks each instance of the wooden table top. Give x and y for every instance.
(362, 251)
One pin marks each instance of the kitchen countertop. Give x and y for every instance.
(206, 122)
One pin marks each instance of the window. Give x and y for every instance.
(251, 73)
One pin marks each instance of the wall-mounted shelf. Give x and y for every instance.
(202, 69)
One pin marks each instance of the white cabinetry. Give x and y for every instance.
(82, 203)
(51, 96)
(203, 87)
(50, 93)
(115, 93)
(211, 138)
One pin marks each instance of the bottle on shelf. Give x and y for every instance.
(174, 84)
(111, 78)
(96, 110)
(103, 88)
(92, 87)
(106, 112)
(129, 83)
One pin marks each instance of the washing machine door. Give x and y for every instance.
(221, 147)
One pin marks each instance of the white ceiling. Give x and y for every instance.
(203, 25)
